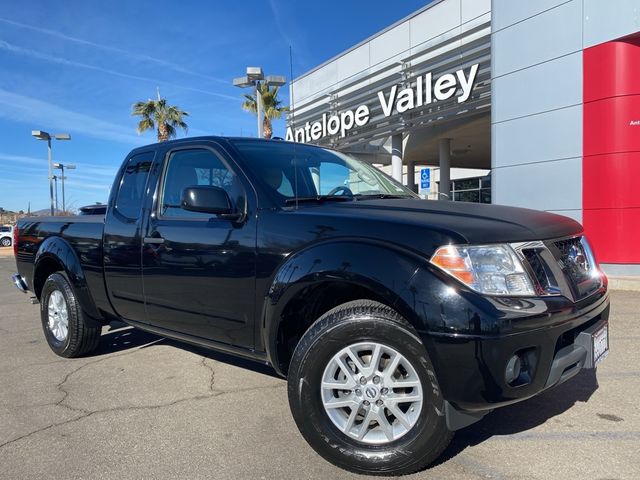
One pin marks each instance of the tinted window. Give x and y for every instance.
(132, 185)
(284, 167)
(190, 168)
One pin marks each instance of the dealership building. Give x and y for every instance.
(528, 103)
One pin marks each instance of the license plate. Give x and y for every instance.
(600, 344)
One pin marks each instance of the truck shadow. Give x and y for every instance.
(511, 420)
(119, 337)
(521, 417)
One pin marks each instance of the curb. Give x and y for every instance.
(624, 283)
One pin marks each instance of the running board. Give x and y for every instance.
(202, 342)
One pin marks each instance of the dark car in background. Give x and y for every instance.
(95, 209)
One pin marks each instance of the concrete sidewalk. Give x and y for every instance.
(627, 283)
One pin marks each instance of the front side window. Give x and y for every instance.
(194, 167)
(295, 170)
(132, 185)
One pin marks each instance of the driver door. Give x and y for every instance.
(199, 269)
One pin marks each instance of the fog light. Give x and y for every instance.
(514, 366)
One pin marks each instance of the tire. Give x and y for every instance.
(80, 338)
(5, 242)
(361, 325)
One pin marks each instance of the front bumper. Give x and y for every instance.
(471, 368)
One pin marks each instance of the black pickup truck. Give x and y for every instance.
(396, 320)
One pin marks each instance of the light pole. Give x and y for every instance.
(254, 78)
(55, 183)
(62, 166)
(41, 135)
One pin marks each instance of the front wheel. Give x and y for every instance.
(65, 327)
(5, 242)
(363, 392)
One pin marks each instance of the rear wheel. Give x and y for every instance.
(63, 321)
(364, 394)
(5, 242)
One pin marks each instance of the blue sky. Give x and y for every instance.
(78, 66)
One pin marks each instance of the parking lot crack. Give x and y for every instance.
(86, 414)
(212, 373)
(48, 427)
(61, 386)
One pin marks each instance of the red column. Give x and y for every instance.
(611, 149)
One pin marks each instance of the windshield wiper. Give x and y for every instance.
(370, 196)
(319, 199)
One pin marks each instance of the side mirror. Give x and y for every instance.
(208, 199)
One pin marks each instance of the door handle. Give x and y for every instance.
(153, 240)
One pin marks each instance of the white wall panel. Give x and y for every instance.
(390, 43)
(471, 9)
(316, 81)
(551, 34)
(548, 86)
(353, 62)
(434, 21)
(610, 19)
(555, 185)
(547, 136)
(508, 12)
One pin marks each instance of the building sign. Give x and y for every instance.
(425, 92)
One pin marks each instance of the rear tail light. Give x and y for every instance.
(15, 240)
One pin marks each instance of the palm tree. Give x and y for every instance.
(271, 107)
(157, 113)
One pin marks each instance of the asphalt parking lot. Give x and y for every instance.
(145, 407)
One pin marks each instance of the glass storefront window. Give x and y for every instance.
(476, 189)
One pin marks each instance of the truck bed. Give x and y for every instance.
(82, 233)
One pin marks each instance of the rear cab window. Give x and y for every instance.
(132, 188)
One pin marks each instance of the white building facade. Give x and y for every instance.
(535, 101)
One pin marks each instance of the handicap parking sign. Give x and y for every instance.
(425, 179)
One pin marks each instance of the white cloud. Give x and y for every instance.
(104, 187)
(34, 112)
(109, 48)
(84, 171)
(15, 49)
(20, 159)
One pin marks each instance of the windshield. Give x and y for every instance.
(287, 168)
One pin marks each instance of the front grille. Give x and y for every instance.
(561, 267)
(574, 259)
(537, 268)
(576, 263)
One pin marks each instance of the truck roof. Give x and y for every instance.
(187, 140)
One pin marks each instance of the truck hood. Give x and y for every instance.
(467, 222)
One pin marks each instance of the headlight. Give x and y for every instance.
(489, 269)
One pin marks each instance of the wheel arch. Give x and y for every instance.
(312, 282)
(57, 255)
